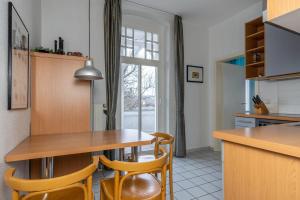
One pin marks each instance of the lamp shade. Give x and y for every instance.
(88, 72)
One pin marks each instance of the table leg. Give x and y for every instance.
(134, 154)
(47, 168)
(122, 154)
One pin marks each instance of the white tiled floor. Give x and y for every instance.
(196, 177)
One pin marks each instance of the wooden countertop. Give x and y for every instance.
(284, 139)
(274, 116)
(43, 146)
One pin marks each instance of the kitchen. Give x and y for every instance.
(261, 155)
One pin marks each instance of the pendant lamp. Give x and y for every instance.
(89, 72)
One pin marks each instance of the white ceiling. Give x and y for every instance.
(201, 11)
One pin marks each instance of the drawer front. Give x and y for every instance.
(243, 122)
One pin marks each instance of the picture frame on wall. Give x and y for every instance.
(18, 60)
(194, 74)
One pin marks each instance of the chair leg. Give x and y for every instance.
(102, 196)
(171, 184)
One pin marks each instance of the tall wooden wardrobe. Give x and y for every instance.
(60, 104)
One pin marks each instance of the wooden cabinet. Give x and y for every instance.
(285, 13)
(59, 104)
(255, 48)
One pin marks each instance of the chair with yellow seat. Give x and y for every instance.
(138, 182)
(74, 186)
(162, 139)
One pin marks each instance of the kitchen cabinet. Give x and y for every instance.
(255, 48)
(282, 51)
(285, 13)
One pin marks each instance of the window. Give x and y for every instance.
(139, 44)
(140, 56)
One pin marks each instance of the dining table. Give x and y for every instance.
(46, 147)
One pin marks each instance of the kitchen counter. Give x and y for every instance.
(261, 163)
(284, 139)
(273, 116)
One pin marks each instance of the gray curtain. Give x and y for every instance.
(180, 143)
(112, 43)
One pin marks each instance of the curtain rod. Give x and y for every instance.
(145, 6)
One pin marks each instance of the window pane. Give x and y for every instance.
(123, 51)
(149, 55)
(129, 52)
(139, 44)
(155, 37)
(129, 42)
(155, 56)
(123, 41)
(149, 36)
(149, 46)
(123, 31)
(130, 97)
(155, 46)
(148, 101)
(129, 32)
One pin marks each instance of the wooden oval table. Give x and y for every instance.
(47, 147)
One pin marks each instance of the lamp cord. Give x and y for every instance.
(89, 28)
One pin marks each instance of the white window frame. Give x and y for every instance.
(160, 84)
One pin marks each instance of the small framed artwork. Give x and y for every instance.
(194, 74)
(18, 60)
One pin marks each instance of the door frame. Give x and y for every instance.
(218, 93)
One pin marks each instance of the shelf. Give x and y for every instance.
(258, 35)
(257, 64)
(260, 49)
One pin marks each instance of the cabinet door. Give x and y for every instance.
(282, 49)
(277, 8)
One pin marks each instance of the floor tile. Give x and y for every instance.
(207, 197)
(210, 188)
(183, 195)
(198, 180)
(185, 184)
(196, 191)
(218, 194)
(209, 178)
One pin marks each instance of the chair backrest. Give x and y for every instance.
(164, 139)
(136, 168)
(80, 181)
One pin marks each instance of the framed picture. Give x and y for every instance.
(194, 74)
(18, 61)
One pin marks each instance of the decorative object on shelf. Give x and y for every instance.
(60, 49)
(18, 60)
(78, 54)
(55, 46)
(259, 106)
(42, 50)
(89, 72)
(194, 74)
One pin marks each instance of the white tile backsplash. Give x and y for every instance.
(280, 96)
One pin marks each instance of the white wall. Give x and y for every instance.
(14, 125)
(226, 40)
(280, 96)
(196, 94)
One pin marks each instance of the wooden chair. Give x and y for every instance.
(138, 183)
(75, 186)
(162, 139)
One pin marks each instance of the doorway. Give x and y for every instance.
(234, 92)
